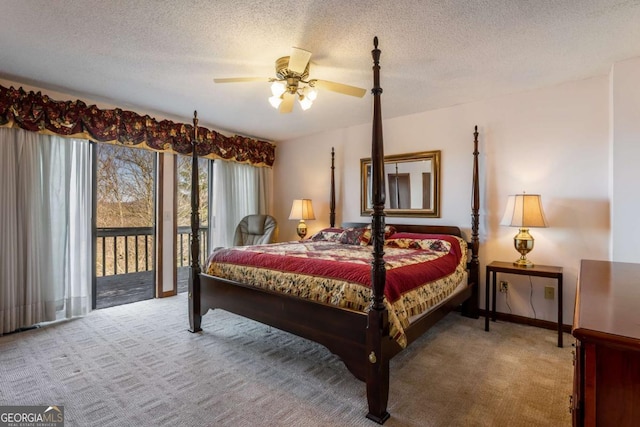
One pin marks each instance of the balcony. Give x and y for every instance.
(125, 263)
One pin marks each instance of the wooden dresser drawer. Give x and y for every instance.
(607, 327)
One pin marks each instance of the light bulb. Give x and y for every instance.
(305, 102)
(312, 93)
(277, 88)
(275, 101)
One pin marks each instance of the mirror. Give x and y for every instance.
(412, 185)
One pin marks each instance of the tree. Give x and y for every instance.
(125, 183)
(125, 178)
(183, 194)
(184, 190)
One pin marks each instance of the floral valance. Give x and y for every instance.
(39, 113)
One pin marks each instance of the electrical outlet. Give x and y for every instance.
(504, 286)
(549, 292)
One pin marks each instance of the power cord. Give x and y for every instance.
(531, 298)
(506, 300)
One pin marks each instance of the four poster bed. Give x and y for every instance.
(304, 287)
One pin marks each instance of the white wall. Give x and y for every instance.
(552, 141)
(625, 173)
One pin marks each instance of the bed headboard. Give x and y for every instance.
(415, 228)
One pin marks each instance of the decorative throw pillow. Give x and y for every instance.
(367, 239)
(328, 235)
(352, 235)
(431, 242)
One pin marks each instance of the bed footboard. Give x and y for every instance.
(340, 330)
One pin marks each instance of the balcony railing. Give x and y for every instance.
(184, 245)
(123, 250)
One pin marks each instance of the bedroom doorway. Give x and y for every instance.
(399, 191)
(124, 224)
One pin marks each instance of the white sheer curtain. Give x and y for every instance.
(45, 228)
(238, 190)
(74, 165)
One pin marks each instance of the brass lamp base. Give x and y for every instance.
(301, 229)
(523, 242)
(523, 262)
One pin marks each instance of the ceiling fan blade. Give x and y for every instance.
(241, 79)
(340, 88)
(286, 106)
(298, 60)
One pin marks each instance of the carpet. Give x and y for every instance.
(137, 365)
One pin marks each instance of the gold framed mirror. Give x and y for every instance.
(412, 185)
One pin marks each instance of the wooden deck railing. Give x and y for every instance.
(184, 254)
(122, 250)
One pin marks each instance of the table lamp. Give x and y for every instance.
(524, 211)
(302, 209)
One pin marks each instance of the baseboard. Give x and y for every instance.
(23, 329)
(168, 294)
(513, 318)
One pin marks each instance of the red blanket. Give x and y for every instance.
(407, 269)
(339, 274)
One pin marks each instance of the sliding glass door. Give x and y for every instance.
(124, 224)
(183, 203)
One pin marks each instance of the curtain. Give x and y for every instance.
(45, 228)
(75, 226)
(39, 113)
(238, 190)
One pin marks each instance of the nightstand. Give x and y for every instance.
(508, 267)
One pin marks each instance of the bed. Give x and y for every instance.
(364, 335)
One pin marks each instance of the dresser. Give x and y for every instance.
(606, 326)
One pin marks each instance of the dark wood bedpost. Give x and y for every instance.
(195, 316)
(332, 200)
(377, 317)
(470, 307)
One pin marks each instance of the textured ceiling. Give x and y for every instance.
(161, 56)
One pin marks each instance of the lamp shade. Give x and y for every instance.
(275, 101)
(524, 210)
(305, 103)
(302, 209)
(278, 88)
(311, 93)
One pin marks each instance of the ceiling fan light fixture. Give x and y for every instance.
(292, 82)
(311, 93)
(278, 88)
(305, 102)
(275, 101)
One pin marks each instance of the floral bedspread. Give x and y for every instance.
(419, 275)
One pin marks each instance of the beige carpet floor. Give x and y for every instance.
(136, 365)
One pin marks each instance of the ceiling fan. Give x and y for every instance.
(292, 82)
